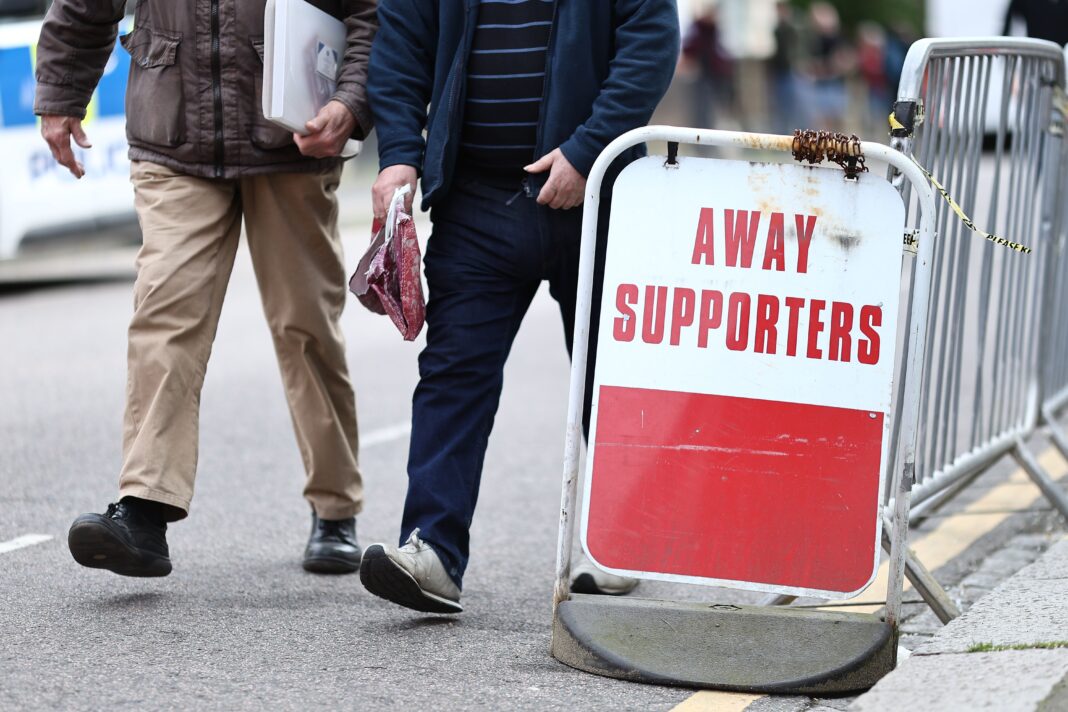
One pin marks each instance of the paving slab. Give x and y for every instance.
(1052, 566)
(1019, 612)
(1008, 681)
(1034, 542)
(1029, 608)
(780, 704)
(947, 673)
(1005, 562)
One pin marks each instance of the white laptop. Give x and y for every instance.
(302, 52)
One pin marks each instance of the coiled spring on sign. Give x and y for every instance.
(819, 146)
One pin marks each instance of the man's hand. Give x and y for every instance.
(386, 185)
(327, 132)
(58, 131)
(565, 188)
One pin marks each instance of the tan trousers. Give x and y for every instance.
(191, 228)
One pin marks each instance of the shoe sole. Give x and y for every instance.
(96, 547)
(330, 565)
(587, 584)
(382, 577)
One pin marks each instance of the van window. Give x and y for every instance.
(22, 9)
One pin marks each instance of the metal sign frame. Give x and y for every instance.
(907, 408)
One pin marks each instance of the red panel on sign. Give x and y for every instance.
(735, 489)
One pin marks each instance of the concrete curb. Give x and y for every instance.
(1009, 652)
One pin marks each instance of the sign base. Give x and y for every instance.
(724, 647)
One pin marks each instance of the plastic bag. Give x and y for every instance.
(388, 279)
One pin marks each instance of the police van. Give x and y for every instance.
(52, 225)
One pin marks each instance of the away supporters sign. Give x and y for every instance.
(744, 376)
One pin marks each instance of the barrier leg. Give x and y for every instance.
(1040, 477)
(928, 587)
(1055, 432)
(925, 583)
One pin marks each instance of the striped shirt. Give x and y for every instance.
(505, 82)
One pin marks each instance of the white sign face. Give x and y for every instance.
(744, 374)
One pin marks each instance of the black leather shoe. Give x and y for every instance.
(124, 540)
(332, 547)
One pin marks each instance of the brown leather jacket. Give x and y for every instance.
(193, 97)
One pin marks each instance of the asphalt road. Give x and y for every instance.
(239, 624)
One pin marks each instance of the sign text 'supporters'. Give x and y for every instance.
(744, 321)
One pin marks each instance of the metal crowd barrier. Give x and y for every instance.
(984, 117)
(1055, 331)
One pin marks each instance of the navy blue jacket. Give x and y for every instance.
(609, 64)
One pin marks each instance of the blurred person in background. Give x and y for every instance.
(747, 32)
(709, 68)
(203, 161)
(899, 38)
(786, 110)
(872, 65)
(1045, 19)
(827, 66)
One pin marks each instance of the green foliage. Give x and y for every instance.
(991, 648)
(889, 13)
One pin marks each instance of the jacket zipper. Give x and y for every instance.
(216, 88)
(540, 150)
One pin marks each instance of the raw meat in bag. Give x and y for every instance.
(388, 279)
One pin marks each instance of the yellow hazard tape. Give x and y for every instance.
(968, 222)
(895, 125)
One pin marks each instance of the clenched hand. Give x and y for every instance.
(565, 188)
(58, 131)
(327, 132)
(386, 185)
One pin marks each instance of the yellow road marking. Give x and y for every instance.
(949, 539)
(712, 701)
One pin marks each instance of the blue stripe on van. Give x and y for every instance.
(16, 87)
(111, 92)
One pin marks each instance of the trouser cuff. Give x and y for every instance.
(178, 507)
(334, 512)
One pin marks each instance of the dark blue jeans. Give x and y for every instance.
(489, 252)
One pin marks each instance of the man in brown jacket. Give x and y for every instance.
(204, 161)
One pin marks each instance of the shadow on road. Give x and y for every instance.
(132, 601)
(425, 623)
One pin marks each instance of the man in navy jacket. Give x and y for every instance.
(517, 99)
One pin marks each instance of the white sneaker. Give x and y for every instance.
(587, 578)
(411, 576)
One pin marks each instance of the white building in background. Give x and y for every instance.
(748, 28)
(686, 11)
(945, 18)
(965, 18)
